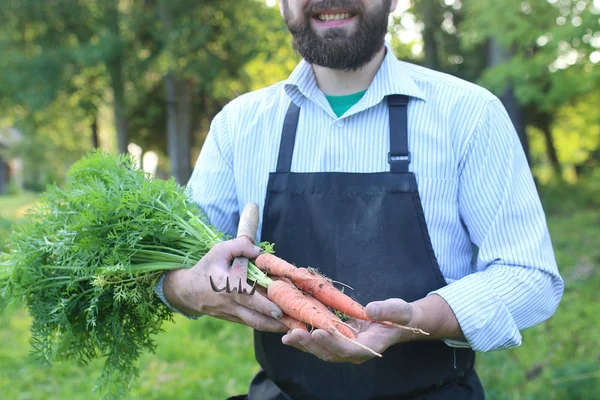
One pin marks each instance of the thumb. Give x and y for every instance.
(393, 310)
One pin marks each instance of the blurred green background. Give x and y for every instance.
(147, 77)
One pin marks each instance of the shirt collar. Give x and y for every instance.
(301, 83)
(392, 78)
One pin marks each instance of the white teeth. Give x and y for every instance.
(331, 17)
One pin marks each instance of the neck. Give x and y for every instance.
(335, 82)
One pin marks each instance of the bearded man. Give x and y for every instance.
(407, 184)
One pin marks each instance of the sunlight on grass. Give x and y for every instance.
(15, 206)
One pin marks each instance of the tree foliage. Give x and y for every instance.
(540, 57)
(74, 58)
(165, 68)
(551, 44)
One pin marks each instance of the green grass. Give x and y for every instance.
(13, 206)
(12, 209)
(191, 363)
(210, 359)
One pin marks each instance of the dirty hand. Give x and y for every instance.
(189, 290)
(376, 336)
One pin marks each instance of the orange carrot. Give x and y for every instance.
(320, 288)
(311, 283)
(295, 304)
(288, 321)
(305, 308)
(321, 307)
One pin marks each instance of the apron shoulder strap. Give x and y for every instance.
(399, 156)
(288, 138)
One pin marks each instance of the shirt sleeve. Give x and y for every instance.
(515, 283)
(212, 186)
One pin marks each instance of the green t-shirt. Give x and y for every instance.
(341, 104)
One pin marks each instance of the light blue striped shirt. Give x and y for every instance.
(473, 179)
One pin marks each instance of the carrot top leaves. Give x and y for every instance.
(87, 258)
(267, 247)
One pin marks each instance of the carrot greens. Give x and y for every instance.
(87, 259)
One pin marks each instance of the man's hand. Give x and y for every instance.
(189, 290)
(431, 314)
(376, 336)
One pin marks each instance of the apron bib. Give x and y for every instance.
(367, 230)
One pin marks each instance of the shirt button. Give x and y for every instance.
(340, 123)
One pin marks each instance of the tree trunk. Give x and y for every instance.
(121, 124)
(115, 70)
(431, 22)
(171, 92)
(184, 127)
(179, 126)
(545, 125)
(95, 138)
(594, 160)
(179, 115)
(3, 174)
(497, 54)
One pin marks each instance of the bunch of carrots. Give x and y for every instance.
(306, 298)
(86, 258)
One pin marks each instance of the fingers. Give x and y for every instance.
(393, 310)
(259, 303)
(258, 321)
(305, 341)
(330, 348)
(349, 352)
(239, 247)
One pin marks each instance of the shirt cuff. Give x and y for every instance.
(158, 289)
(482, 315)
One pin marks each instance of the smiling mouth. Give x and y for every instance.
(333, 16)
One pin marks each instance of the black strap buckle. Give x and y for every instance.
(394, 158)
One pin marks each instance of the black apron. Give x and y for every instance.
(368, 231)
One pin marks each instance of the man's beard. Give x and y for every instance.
(336, 49)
